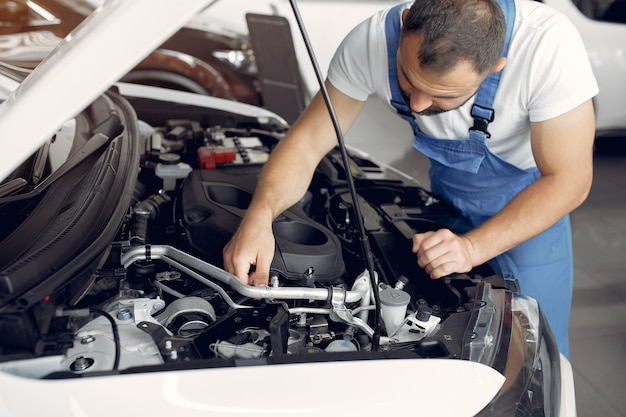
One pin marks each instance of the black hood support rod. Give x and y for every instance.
(365, 244)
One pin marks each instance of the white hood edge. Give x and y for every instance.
(374, 388)
(104, 47)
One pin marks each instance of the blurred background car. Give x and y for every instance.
(602, 26)
(212, 54)
(207, 60)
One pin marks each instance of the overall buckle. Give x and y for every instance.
(482, 117)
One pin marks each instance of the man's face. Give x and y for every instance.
(428, 93)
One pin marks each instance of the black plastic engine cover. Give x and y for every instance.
(213, 203)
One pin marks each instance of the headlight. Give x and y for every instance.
(532, 368)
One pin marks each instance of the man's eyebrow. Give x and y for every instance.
(411, 84)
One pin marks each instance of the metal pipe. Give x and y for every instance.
(171, 254)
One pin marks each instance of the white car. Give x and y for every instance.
(116, 200)
(602, 26)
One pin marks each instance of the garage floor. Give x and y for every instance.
(598, 320)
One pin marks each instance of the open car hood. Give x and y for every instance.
(111, 41)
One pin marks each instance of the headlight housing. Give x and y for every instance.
(531, 364)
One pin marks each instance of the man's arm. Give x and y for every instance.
(563, 151)
(283, 181)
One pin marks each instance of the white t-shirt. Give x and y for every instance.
(547, 74)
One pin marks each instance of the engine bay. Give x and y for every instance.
(161, 298)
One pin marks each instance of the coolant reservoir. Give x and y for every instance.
(393, 303)
(171, 170)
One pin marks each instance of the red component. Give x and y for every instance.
(210, 157)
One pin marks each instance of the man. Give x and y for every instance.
(499, 98)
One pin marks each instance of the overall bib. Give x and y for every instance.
(466, 174)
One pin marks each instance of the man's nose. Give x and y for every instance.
(420, 101)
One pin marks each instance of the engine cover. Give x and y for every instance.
(213, 203)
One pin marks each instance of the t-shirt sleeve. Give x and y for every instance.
(349, 70)
(560, 72)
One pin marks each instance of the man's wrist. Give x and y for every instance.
(259, 214)
(472, 250)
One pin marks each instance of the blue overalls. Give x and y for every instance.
(479, 184)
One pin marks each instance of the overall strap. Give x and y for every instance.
(392, 36)
(482, 110)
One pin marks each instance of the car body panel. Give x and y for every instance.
(339, 389)
(606, 46)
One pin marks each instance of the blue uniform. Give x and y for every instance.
(479, 184)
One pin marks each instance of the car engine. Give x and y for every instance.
(159, 297)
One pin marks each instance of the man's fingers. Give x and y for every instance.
(238, 266)
(241, 270)
(441, 253)
(249, 259)
(419, 240)
(259, 279)
(429, 247)
(438, 270)
(261, 275)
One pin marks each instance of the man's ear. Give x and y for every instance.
(404, 13)
(500, 65)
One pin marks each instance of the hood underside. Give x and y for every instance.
(112, 40)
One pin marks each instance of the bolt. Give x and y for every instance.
(124, 314)
(274, 282)
(81, 363)
(158, 305)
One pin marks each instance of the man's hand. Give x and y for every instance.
(252, 247)
(442, 253)
(282, 183)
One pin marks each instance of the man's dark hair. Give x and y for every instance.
(453, 30)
